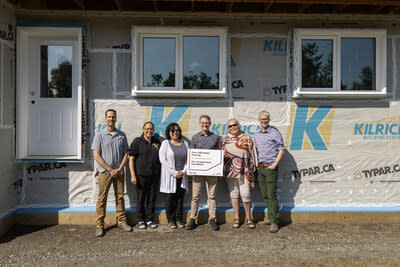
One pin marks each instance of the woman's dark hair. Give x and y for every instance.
(148, 122)
(170, 127)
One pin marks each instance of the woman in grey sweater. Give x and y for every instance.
(174, 184)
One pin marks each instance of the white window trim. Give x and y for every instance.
(138, 32)
(335, 35)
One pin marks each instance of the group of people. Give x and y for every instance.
(154, 164)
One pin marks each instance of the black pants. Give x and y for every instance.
(146, 189)
(174, 203)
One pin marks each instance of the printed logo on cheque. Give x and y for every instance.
(310, 127)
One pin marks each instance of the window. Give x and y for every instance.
(56, 71)
(171, 61)
(340, 63)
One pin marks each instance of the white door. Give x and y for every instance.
(52, 98)
(49, 92)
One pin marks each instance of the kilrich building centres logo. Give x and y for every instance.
(274, 47)
(161, 116)
(277, 47)
(385, 129)
(310, 127)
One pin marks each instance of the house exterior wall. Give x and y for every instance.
(348, 171)
(11, 185)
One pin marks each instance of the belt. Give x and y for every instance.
(263, 165)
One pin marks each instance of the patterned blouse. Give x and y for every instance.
(240, 156)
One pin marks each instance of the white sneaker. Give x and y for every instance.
(142, 225)
(151, 224)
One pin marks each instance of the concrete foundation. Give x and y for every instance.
(222, 218)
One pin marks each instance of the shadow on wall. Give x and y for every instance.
(288, 185)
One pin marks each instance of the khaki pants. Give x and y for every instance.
(105, 181)
(197, 185)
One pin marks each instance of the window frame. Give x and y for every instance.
(335, 35)
(140, 32)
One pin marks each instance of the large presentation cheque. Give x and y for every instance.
(207, 162)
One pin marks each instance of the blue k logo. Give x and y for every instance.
(310, 128)
(161, 116)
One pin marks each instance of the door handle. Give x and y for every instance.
(33, 101)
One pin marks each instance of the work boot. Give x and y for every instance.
(99, 232)
(213, 224)
(125, 227)
(191, 225)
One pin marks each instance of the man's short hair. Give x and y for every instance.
(110, 109)
(205, 116)
(265, 113)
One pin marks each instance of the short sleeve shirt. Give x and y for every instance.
(112, 147)
(147, 161)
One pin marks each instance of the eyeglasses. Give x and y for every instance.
(148, 129)
(232, 125)
(205, 123)
(175, 131)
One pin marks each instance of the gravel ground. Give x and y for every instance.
(294, 245)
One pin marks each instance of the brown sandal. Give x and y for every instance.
(236, 223)
(250, 223)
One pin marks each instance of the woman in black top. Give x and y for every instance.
(144, 165)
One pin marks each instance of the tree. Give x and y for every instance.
(170, 82)
(201, 81)
(61, 80)
(156, 80)
(314, 74)
(366, 77)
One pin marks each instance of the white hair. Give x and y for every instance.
(236, 121)
(265, 113)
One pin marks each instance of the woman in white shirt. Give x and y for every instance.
(174, 184)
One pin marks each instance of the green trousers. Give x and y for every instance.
(267, 180)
